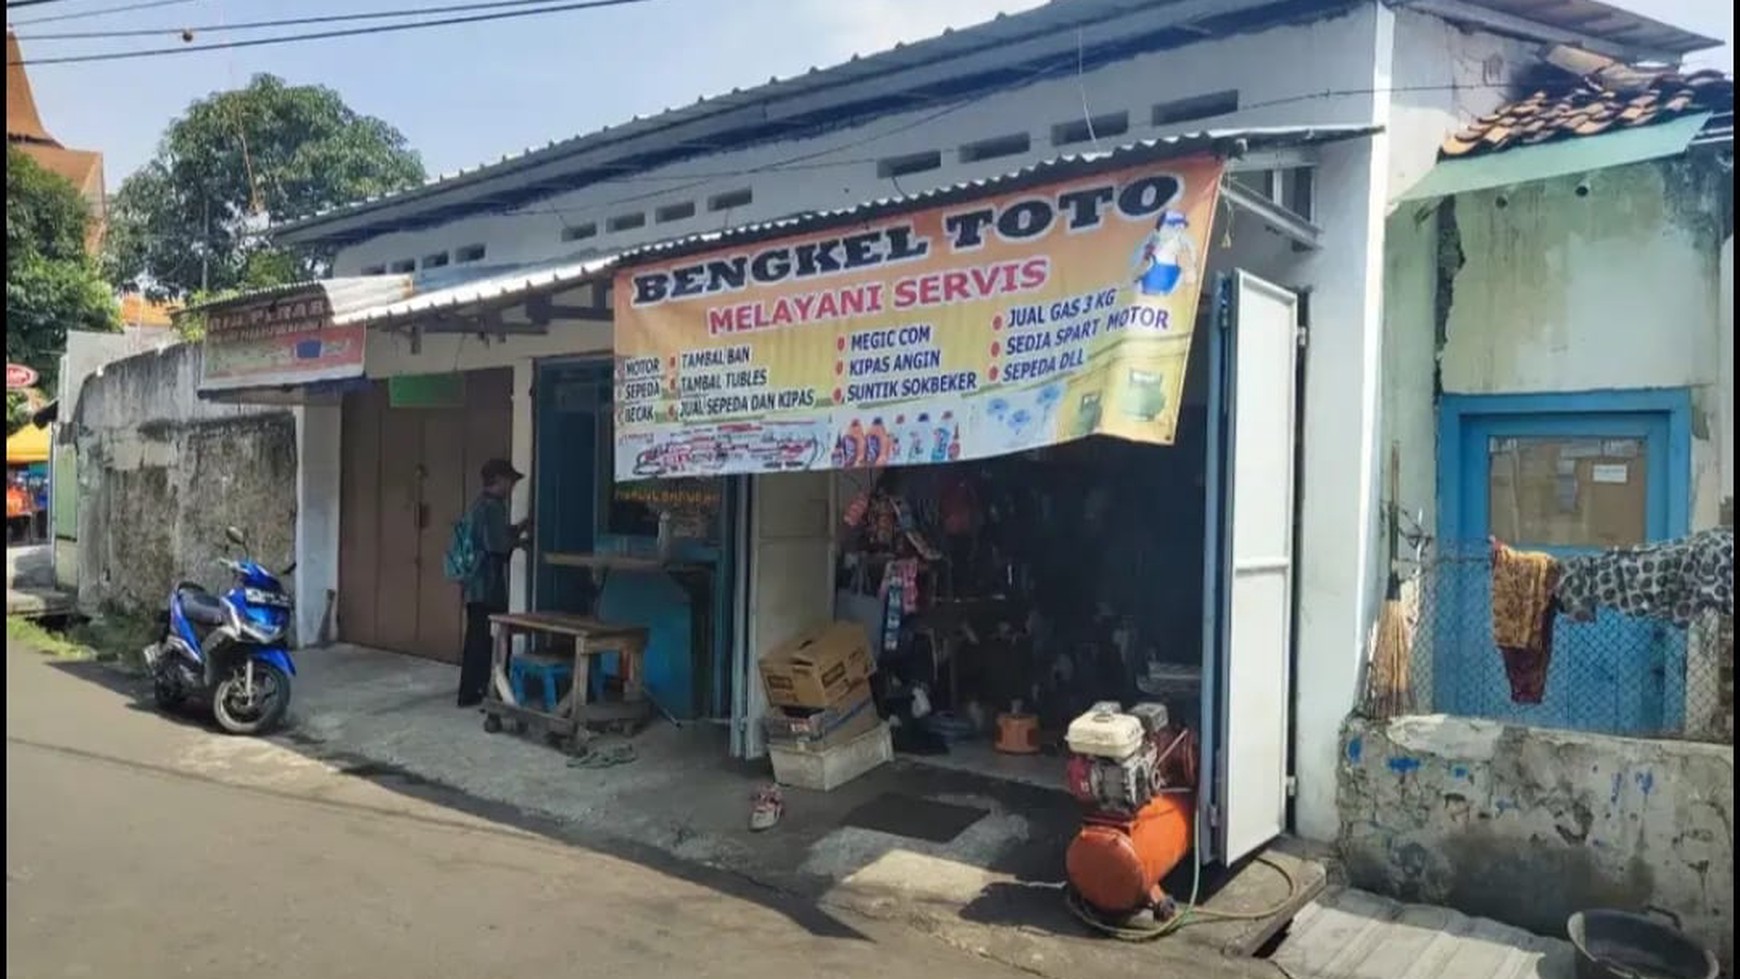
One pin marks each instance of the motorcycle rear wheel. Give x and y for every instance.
(236, 713)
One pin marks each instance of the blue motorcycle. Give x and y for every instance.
(230, 649)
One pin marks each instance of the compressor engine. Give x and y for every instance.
(1135, 776)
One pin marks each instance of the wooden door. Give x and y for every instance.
(441, 499)
(408, 474)
(398, 594)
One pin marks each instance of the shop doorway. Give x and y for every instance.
(1094, 570)
(597, 549)
(406, 474)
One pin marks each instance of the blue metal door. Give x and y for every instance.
(1565, 482)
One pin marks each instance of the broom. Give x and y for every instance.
(1388, 690)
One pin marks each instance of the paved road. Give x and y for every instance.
(147, 847)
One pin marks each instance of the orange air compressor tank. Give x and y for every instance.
(1116, 865)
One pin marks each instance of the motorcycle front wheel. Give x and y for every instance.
(251, 705)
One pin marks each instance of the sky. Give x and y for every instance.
(465, 95)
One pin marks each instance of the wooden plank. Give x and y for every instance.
(578, 626)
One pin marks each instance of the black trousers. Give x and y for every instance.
(474, 660)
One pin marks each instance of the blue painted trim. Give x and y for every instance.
(1455, 411)
(1660, 417)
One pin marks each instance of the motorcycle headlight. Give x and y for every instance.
(258, 627)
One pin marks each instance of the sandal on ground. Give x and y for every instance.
(602, 756)
(767, 805)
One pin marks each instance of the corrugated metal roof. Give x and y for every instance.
(1057, 19)
(507, 285)
(345, 295)
(549, 276)
(1603, 22)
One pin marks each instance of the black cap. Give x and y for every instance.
(496, 469)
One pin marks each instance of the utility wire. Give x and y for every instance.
(322, 35)
(255, 25)
(102, 12)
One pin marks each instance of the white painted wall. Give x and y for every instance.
(1337, 580)
(839, 169)
(319, 429)
(1444, 76)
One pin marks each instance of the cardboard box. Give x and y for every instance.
(819, 666)
(827, 728)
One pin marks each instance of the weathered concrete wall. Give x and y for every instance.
(1607, 281)
(1528, 826)
(162, 473)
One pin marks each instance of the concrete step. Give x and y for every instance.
(1351, 934)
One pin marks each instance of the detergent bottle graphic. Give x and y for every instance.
(854, 444)
(876, 443)
(915, 438)
(939, 449)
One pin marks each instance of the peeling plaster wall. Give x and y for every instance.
(162, 473)
(1528, 826)
(1607, 281)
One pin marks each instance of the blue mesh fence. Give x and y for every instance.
(1615, 675)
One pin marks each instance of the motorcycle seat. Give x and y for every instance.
(200, 606)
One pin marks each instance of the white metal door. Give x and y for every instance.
(1261, 350)
(790, 581)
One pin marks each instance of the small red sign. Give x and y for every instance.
(19, 377)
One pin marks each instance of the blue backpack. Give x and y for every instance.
(463, 555)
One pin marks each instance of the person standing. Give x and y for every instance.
(485, 584)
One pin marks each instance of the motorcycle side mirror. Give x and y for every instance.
(287, 570)
(236, 536)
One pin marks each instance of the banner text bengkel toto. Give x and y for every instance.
(991, 326)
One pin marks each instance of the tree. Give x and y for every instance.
(196, 217)
(52, 283)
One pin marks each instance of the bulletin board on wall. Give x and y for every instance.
(1559, 492)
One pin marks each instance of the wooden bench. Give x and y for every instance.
(576, 711)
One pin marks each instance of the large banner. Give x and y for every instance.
(976, 329)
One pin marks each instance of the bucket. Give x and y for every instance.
(1017, 734)
(1623, 945)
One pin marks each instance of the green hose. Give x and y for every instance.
(1125, 933)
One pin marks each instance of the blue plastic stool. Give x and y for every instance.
(548, 671)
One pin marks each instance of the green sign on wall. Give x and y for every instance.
(426, 391)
